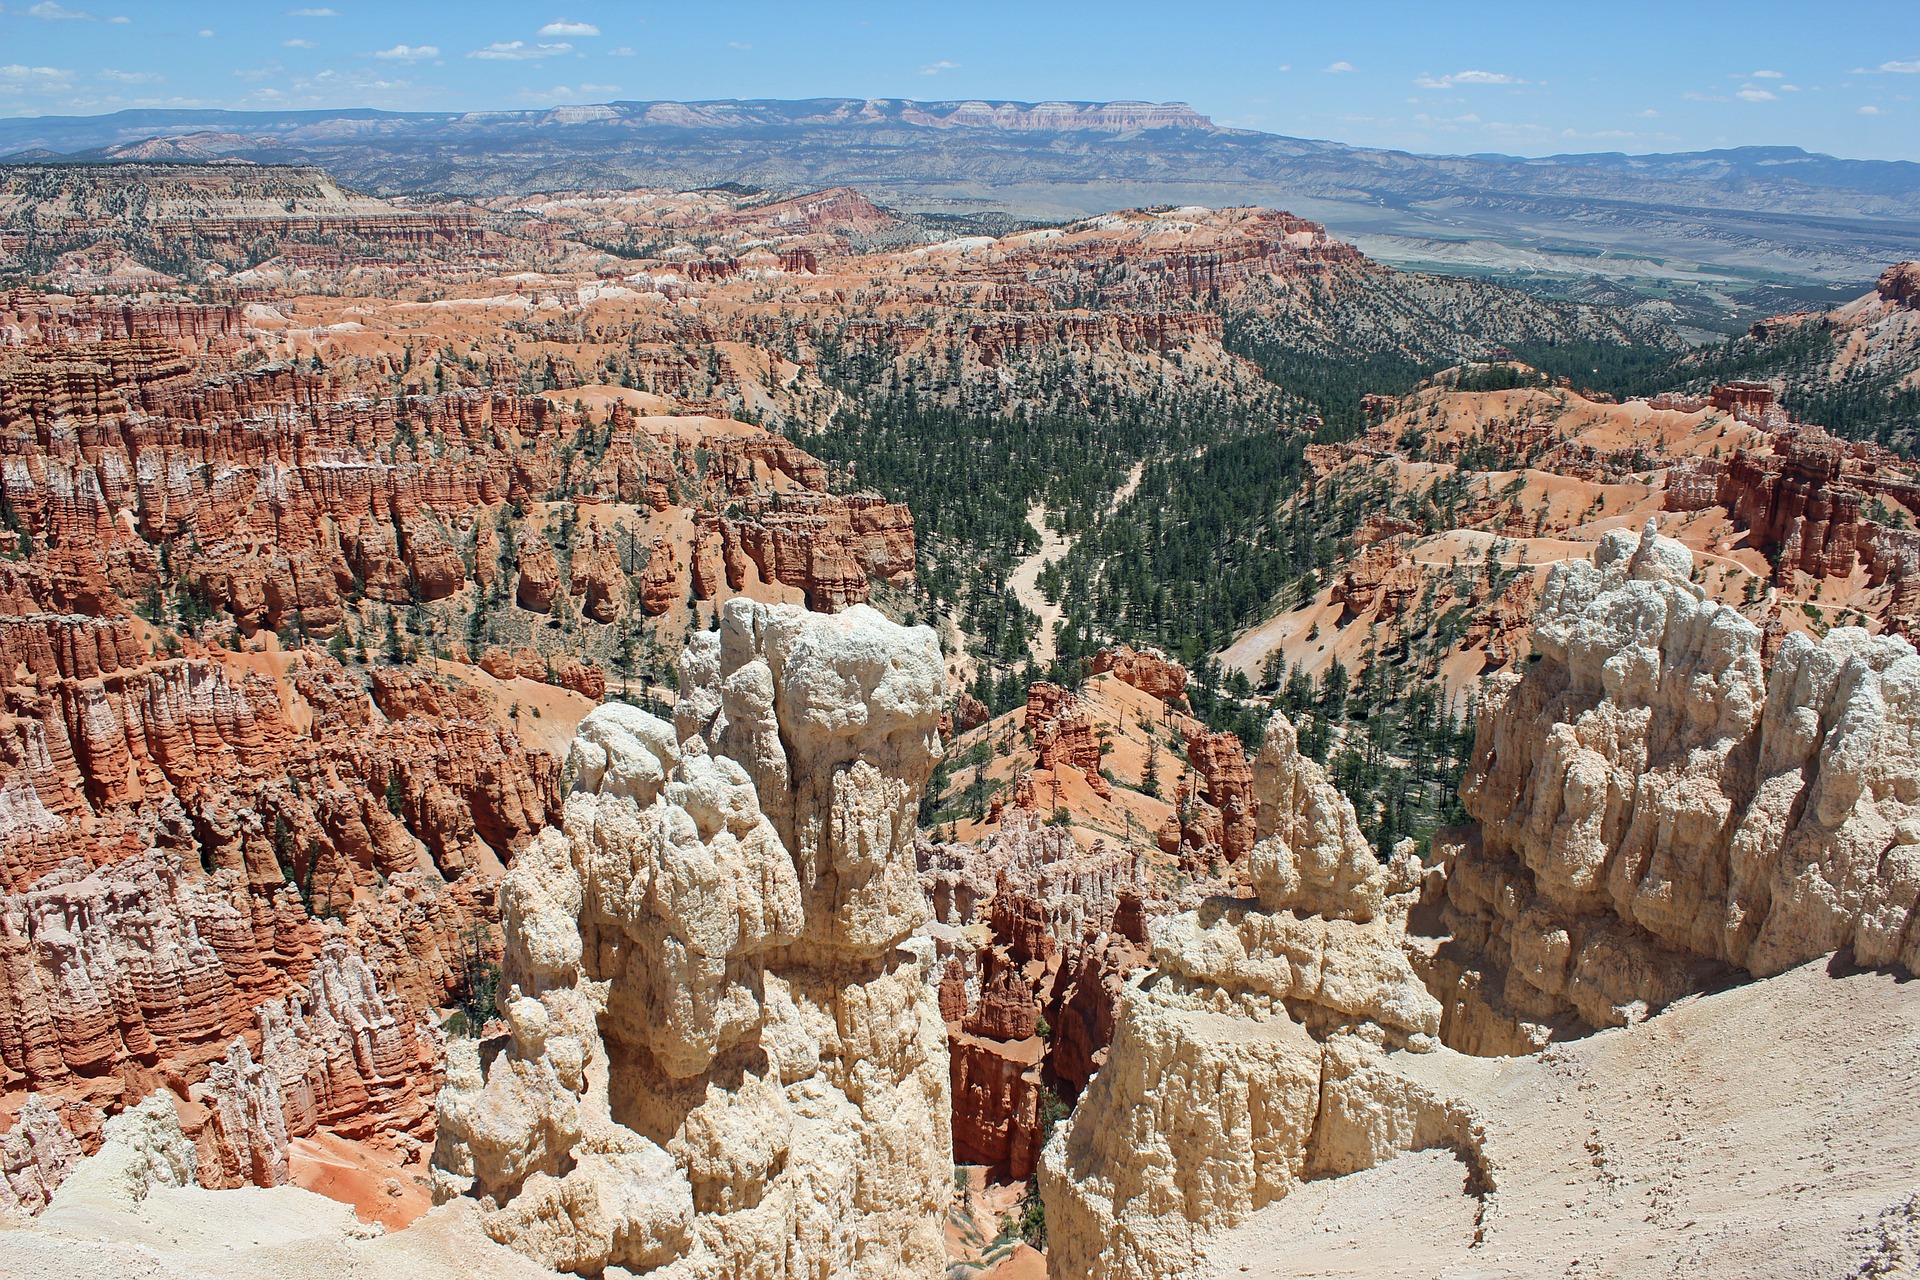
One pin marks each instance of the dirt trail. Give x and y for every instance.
(1024, 581)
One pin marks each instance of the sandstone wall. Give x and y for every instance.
(1656, 807)
(723, 1062)
(1254, 1054)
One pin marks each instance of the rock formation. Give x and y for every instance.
(722, 1059)
(252, 826)
(1085, 1000)
(1656, 806)
(36, 1155)
(1900, 283)
(1382, 582)
(1255, 1053)
(1045, 903)
(141, 1149)
(1220, 762)
(1062, 733)
(1147, 670)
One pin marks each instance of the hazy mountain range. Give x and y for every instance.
(1696, 218)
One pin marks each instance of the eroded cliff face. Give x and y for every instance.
(174, 827)
(723, 1062)
(1656, 807)
(1021, 929)
(1255, 1054)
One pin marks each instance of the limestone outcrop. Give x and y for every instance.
(722, 1060)
(1258, 1051)
(1657, 807)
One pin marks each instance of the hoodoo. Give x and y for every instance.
(871, 689)
(721, 1058)
(1656, 811)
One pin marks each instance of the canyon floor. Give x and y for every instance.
(1764, 1130)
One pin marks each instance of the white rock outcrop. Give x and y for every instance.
(141, 1149)
(1258, 1051)
(722, 1060)
(36, 1155)
(1655, 808)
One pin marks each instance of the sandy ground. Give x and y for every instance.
(280, 1234)
(980, 1240)
(1771, 1130)
(378, 1187)
(1024, 582)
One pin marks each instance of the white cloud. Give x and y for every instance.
(738, 44)
(206, 33)
(1286, 66)
(1336, 68)
(407, 53)
(1649, 114)
(50, 12)
(520, 51)
(297, 43)
(624, 51)
(1908, 67)
(16, 79)
(15, 73)
(561, 27)
(1870, 111)
(119, 20)
(313, 13)
(1751, 94)
(935, 68)
(1466, 77)
(1768, 75)
(1692, 96)
(132, 77)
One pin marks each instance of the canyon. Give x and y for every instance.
(710, 733)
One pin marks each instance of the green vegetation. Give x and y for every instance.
(1032, 1224)
(479, 986)
(1865, 405)
(972, 474)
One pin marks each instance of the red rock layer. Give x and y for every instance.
(997, 1092)
(1040, 895)
(1063, 737)
(1147, 670)
(1220, 762)
(339, 1055)
(1382, 581)
(1087, 992)
(1803, 502)
(297, 486)
(1901, 283)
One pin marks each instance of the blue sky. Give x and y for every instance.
(1528, 79)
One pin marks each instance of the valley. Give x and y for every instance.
(716, 732)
